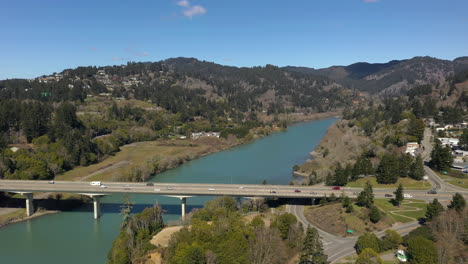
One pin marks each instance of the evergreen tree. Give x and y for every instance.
(433, 209)
(341, 176)
(404, 165)
(366, 197)
(374, 214)
(367, 240)
(312, 251)
(398, 195)
(441, 157)
(416, 129)
(388, 170)
(347, 204)
(458, 202)
(417, 169)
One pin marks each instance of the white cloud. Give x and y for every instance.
(191, 11)
(183, 3)
(194, 11)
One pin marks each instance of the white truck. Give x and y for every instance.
(95, 183)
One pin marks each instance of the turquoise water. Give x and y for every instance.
(76, 238)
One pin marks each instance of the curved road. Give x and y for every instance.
(337, 247)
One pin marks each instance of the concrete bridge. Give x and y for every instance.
(183, 191)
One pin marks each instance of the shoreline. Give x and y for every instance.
(310, 118)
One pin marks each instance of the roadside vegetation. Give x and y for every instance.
(442, 238)
(219, 233)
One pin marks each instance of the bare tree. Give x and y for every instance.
(267, 247)
(450, 229)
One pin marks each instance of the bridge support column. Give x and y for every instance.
(184, 205)
(29, 203)
(183, 200)
(97, 206)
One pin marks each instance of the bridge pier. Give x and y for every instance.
(29, 203)
(96, 206)
(96, 203)
(183, 200)
(184, 205)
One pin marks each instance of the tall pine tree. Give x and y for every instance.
(312, 251)
(417, 169)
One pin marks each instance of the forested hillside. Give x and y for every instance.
(395, 77)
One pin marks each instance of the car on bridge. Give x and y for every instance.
(211, 189)
(157, 190)
(297, 191)
(149, 184)
(103, 186)
(272, 191)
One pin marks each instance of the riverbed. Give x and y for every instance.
(75, 237)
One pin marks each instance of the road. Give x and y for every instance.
(191, 189)
(337, 247)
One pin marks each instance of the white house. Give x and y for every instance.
(411, 148)
(449, 141)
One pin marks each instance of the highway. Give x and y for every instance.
(192, 189)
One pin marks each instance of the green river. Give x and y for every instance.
(75, 237)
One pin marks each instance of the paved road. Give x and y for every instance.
(337, 247)
(189, 189)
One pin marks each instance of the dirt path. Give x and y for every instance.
(108, 168)
(7, 210)
(407, 209)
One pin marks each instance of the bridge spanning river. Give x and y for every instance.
(186, 190)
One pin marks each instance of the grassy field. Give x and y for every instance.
(409, 210)
(333, 219)
(455, 181)
(408, 183)
(142, 154)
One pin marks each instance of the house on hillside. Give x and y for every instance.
(452, 142)
(411, 148)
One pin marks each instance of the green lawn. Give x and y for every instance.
(399, 213)
(408, 183)
(455, 181)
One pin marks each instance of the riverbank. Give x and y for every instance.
(151, 158)
(341, 144)
(12, 211)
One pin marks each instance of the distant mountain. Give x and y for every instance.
(394, 77)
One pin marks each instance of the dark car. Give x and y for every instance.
(388, 195)
(432, 191)
(336, 188)
(272, 191)
(298, 191)
(150, 184)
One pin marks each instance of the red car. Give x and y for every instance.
(297, 190)
(336, 188)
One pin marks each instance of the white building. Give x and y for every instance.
(411, 148)
(452, 142)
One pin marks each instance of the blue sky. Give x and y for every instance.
(41, 37)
